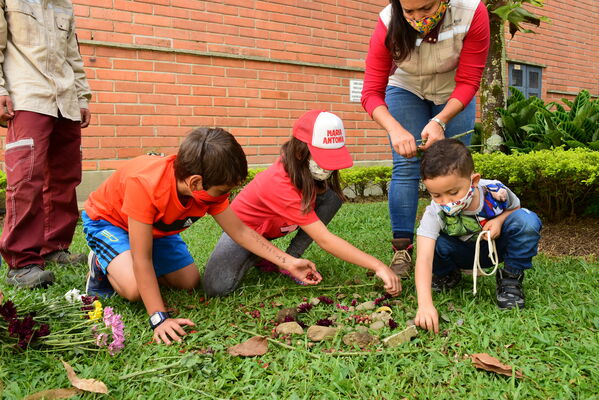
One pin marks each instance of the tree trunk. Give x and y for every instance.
(493, 85)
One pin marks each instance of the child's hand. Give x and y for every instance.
(304, 271)
(494, 228)
(427, 318)
(171, 328)
(390, 279)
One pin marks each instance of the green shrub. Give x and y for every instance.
(358, 179)
(530, 124)
(554, 183)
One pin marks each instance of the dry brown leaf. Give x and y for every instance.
(489, 363)
(87, 385)
(52, 394)
(255, 346)
(1, 297)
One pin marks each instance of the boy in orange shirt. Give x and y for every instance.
(133, 220)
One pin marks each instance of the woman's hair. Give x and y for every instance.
(401, 37)
(446, 157)
(295, 156)
(214, 154)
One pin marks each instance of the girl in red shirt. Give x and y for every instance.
(300, 190)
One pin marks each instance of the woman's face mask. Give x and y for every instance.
(320, 174)
(455, 207)
(426, 24)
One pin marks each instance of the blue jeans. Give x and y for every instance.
(516, 245)
(413, 114)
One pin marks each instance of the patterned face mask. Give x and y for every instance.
(455, 207)
(318, 173)
(426, 24)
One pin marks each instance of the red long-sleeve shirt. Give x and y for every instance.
(473, 57)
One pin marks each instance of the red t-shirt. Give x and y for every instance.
(145, 189)
(271, 205)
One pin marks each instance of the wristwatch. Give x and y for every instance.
(157, 318)
(437, 120)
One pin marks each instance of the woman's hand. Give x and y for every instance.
(431, 133)
(427, 318)
(304, 271)
(403, 143)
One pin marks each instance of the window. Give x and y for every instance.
(526, 78)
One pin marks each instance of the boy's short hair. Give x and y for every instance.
(214, 154)
(446, 157)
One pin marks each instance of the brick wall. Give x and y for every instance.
(158, 68)
(567, 47)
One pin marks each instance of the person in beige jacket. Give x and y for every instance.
(44, 98)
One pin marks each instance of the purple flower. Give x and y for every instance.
(115, 322)
(354, 302)
(8, 311)
(342, 307)
(325, 300)
(392, 324)
(304, 307)
(44, 330)
(325, 322)
(288, 318)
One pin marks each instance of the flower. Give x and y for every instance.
(304, 307)
(325, 322)
(73, 296)
(115, 322)
(342, 307)
(392, 324)
(325, 300)
(8, 311)
(97, 312)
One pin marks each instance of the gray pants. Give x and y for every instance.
(229, 262)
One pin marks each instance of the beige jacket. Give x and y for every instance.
(430, 71)
(42, 70)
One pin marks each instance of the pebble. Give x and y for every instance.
(362, 339)
(376, 325)
(402, 337)
(287, 328)
(369, 305)
(317, 333)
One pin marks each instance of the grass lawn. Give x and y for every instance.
(554, 341)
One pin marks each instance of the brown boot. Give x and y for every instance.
(401, 263)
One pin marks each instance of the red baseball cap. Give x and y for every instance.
(324, 134)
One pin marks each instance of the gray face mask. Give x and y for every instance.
(318, 173)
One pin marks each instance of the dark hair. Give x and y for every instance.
(214, 154)
(401, 37)
(295, 156)
(446, 157)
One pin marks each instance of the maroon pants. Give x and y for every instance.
(43, 168)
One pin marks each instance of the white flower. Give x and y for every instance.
(73, 295)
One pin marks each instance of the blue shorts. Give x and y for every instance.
(169, 253)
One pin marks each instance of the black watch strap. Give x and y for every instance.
(158, 318)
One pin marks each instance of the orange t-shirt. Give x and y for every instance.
(145, 189)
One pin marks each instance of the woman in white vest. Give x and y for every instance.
(423, 68)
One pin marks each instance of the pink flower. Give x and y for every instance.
(115, 322)
(342, 307)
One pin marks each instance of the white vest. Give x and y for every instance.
(429, 72)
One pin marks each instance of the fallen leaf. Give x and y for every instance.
(445, 318)
(255, 346)
(1, 297)
(53, 394)
(489, 363)
(87, 385)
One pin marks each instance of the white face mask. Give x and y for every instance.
(318, 173)
(455, 207)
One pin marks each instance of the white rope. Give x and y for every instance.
(492, 255)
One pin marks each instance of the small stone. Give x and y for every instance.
(362, 329)
(410, 322)
(356, 296)
(341, 296)
(459, 322)
(376, 325)
(361, 339)
(314, 301)
(369, 305)
(401, 337)
(351, 309)
(289, 328)
(373, 294)
(380, 316)
(317, 333)
(445, 318)
(286, 312)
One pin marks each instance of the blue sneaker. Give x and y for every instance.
(97, 282)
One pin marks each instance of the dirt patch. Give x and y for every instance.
(571, 238)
